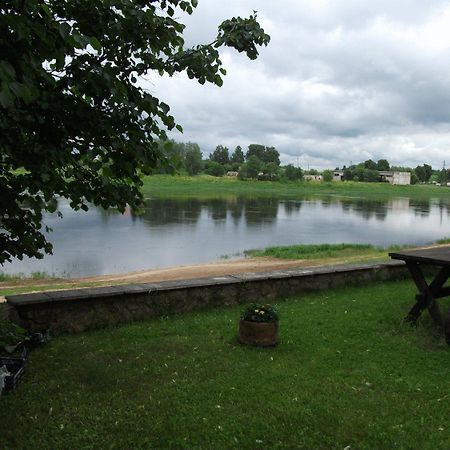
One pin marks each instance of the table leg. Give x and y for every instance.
(427, 293)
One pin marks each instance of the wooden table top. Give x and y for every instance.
(436, 255)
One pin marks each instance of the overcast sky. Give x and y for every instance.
(341, 81)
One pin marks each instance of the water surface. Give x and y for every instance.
(188, 231)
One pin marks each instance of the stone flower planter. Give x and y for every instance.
(260, 334)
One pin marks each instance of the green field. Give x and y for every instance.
(346, 374)
(207, 186)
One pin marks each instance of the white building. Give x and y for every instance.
(385, 175)
(313, 177)
(395, 177)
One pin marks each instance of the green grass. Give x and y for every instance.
(207, 186)
(50, 284)
(38, 275)
(319, 251)
(341, 252)
(347, 372)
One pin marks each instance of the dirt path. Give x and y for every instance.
(218, 268)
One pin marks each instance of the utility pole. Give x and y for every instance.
(443, 179)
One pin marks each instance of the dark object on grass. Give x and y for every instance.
(15, 368)
(12, 368)
(34, 340)
(31, 341)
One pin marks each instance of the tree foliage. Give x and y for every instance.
(263, 153)
(75, 120)
(237, 156)
(293, 173)
(193, 161)
(251, 168)
(370, 165)
(220, 155)
(423, 172)
(383, 164)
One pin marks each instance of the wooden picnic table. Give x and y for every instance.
(428, 292)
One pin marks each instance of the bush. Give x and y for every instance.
(293, 173)
(10, 333)
(214, 168)
(327, 175)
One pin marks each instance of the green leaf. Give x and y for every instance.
(7, 71)
(6, 96)
(46, 10)
(95, 43)
(164, 107)
(64, 30)
(52, 205)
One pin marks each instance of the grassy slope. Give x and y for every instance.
(165, 185)
(346, 373)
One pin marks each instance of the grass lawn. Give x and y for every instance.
(208, 186)
(347, 372)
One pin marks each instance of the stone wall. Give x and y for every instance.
(77, 310)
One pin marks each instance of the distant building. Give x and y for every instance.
(384, 175)
(395, 177)
(312, 177)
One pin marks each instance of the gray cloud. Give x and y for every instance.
(340, 81)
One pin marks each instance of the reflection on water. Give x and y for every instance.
(187, 231)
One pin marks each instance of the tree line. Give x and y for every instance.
(368, 171)
(258, 162)
(263, 163)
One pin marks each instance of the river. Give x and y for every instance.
(189, 231)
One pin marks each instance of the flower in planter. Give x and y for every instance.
(260, 313)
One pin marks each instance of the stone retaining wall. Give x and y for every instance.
(77, 310)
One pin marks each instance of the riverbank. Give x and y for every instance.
(263, 260)
(215, 268)
(208, 186)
